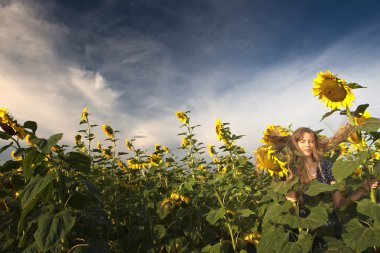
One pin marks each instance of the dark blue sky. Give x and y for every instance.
(133, 63)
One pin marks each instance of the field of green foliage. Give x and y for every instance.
(94, 198)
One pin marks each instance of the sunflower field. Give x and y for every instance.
(92, 197)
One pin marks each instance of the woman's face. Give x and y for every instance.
(306, 144)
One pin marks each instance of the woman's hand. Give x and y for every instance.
(291, 196)
(373, 184)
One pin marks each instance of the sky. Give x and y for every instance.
(134, 63)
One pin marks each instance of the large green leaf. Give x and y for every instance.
(284, 186)
(343, 168)
(276, 210)
(303, 244)
(53, 140)
(214, 215)
(370, 125)
(46, 145)
(221, 247)
(316, 187)
(245, 212)
(79, 161)
(52, 228)
(10, 165)
(36, 185)
(316, 218)
(273, 240)
(31, 159)
(31, 125)
(336, 246)
(359, 237)
(367, 207)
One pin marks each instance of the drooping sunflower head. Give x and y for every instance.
(274, 135)
(9, 125)
(218, 129)
(108, 131)
(181, 116)
(84, 115)
(267, 160)
(332, 90)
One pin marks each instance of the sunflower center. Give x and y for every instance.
(333, 90)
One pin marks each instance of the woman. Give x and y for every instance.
(307, 149)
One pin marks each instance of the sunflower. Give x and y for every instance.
(272, 132)
(266, 159)
(84, 115)
(181, 116)
(108, 131)
(332, 90)
(218, 129)
(9, 125)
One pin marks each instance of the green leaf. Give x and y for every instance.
(375, 136)
(4, 136)
(343, 168)
(316, 187)
(367, 207)
(359, 237)
(159, 231)
(32, 158)
(328, 114)
(31, 125)
(303, 244)
(36, 185)
(369, 125)
(214, 215)
(316, 218)
(336, 246)
(79, 201)
(163, 210)
(275, 210)
(273, 240)
(52, 228)
(10, 165)
(5, 147)
(284, 186)
(53, 140)
(221, 247)
(355, 86)
(245, 212)
(360, 110)
(79, 161)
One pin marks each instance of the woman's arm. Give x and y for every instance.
(339, 200)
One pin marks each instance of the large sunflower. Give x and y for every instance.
(332, 90)
(273, 135)
(266, 159)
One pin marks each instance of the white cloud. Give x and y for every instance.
(39, 84)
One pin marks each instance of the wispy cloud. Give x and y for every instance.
(135, 83)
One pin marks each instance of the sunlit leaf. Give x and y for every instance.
(367, 207)
(360, 237)
(316, 187)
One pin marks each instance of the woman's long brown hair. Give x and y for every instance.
(297, 161)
